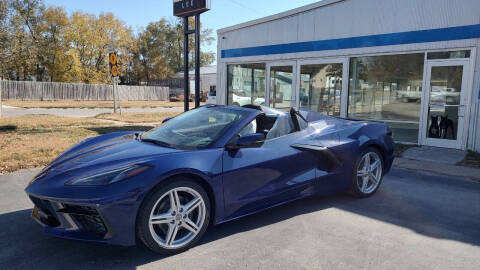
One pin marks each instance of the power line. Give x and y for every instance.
(245, 7)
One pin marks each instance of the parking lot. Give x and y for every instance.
(415, 221)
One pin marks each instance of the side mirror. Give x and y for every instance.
(248, 141)
(167, 119)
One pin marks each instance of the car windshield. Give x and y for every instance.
(195, 129)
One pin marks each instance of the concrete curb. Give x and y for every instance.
(437, 168)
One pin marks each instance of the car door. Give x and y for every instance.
(255, 178)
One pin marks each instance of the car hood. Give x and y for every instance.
(110, 150)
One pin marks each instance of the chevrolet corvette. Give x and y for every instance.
(207, 166)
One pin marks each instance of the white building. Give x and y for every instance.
(411, 63)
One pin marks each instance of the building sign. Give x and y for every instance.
(184, 8)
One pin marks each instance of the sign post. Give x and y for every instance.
(185, 9)
(113, 60)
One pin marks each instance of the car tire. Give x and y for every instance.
(367, 185)
(155, 222)
(236, 104)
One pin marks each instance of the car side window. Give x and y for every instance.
(282, 126)
(250, 128)
(272, 126)
(303, 124)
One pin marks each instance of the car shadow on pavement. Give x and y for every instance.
(438, 207)
(24, 245)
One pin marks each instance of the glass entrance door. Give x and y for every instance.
(444, 112)
(323, 86)
(281, 90)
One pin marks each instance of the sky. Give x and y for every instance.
(224, 13)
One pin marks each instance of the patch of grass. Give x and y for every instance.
(39, 122)
(28, 150)
(35, 140)
(471, 160)
(400, 148)
(155, 117)
(62, 104)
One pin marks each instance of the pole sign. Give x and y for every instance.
(113, 59)
(185, 8)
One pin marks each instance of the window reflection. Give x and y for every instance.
(387, 87)
(448, 54)
(246, 84)
(320, 88)
(281, 87)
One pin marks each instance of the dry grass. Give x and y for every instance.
(35, 140)
(91, 104)
(42, 122)
(28, 150)
(154, 117)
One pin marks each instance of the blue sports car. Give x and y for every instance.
(207, 166)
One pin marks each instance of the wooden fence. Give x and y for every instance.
(23, 90)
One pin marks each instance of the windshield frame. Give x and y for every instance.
(216, 143)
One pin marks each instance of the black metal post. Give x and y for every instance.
(197, 60)
(185, 63)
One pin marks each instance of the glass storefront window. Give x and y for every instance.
(246, 84)
(281, 86)
(448, 55)
(320, 88)
(387, 87)
(405, 132)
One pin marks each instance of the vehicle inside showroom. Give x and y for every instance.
(353, 59)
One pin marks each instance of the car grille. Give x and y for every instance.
(44, 206)
(87, 217)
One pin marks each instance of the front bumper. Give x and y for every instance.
(110, 223)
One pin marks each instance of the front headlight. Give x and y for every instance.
(109, 177)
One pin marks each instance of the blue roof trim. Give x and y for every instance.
(432, 35)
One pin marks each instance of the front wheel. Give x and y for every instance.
(368, 173)
(174, 217)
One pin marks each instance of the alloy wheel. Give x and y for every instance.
(369, 172)
(177, 217)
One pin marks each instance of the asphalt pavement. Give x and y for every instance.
(80, 112)
(415, 221)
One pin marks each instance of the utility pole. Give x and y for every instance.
(185, 9)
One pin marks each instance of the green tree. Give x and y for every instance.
(26, 20)
(160, 49)
(4, 36)
(55, 45)
(90, 38)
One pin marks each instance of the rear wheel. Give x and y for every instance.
(174, 217)
(368, 174)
